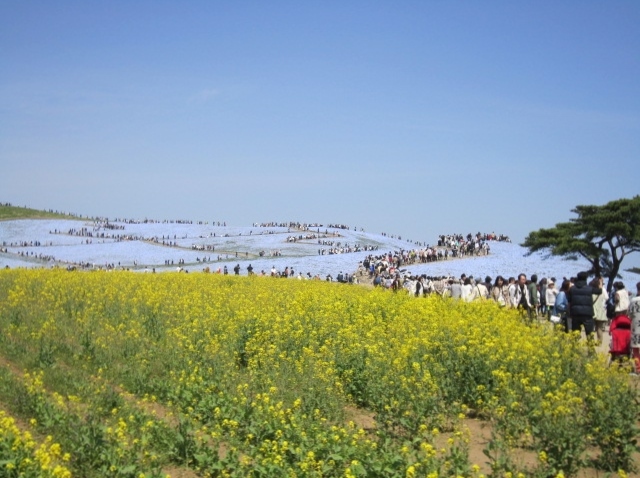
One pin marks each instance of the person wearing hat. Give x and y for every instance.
(542, 293)
(456, 288)
(581, 304)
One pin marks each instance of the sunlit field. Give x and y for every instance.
(129, 375)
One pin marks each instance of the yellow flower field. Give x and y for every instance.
(140, 374)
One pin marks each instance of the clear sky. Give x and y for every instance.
(412, 118)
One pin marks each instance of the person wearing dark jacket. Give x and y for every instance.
(533, 296)
(581, 304)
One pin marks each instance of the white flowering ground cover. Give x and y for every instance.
(243, 245)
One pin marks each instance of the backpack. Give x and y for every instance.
(561, 302)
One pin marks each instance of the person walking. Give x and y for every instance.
(581, 304)
(634, 315)
(511, 291)
(479, 291)
(456, 289)
(499, 291)
(621, 299)
(550, 295)
(533, 297)
(542, 294)
(599, 308)
(561, 306)
(467, 289)
(520, 294)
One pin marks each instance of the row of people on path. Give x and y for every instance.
(578, 305)
(450, 240)
(288, 272)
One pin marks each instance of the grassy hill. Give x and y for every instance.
(15, 212)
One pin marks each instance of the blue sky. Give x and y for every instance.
(411, 118)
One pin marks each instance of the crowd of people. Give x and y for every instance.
(287, 273)
(162, 221)
(32, 255)
(577, 304)
(322, 238)
(376, 264)
(98, 233)
(24, 244)
(451, 240)
(338, 248)
(449, 246)
(272, 253)
(303, 226)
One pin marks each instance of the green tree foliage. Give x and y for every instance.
(9, 212)
(603, 235)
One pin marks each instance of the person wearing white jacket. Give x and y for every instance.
(467, 290)
(520, 294)
(600, 308)
(550, 296)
